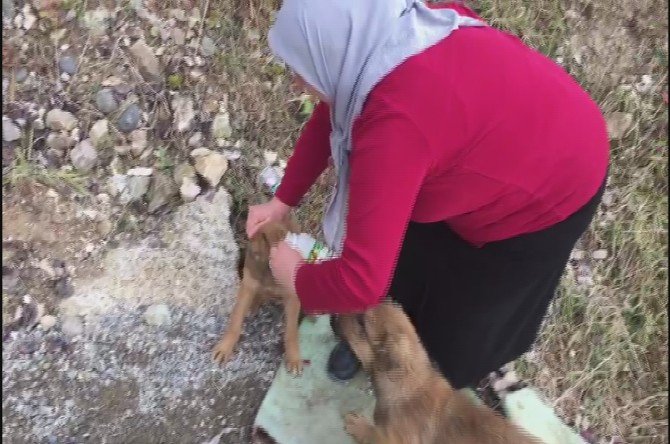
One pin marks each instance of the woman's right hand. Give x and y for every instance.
(259, 215)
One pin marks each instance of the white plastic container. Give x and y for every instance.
(309, 248)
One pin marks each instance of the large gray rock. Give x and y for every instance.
(105, 101)
(10, 131)
(197, 266)
(129, 118)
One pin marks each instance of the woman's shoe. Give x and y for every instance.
(342, 363)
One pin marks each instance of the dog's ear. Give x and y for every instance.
(393, 354)
(259, 246)
(274, 233)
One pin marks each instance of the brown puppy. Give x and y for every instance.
(257, 287)
(415, 403)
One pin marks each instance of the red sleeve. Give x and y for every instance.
(309, 158)
(388, 165)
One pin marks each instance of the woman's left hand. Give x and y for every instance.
(284, 262)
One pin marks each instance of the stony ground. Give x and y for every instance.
(122, 119)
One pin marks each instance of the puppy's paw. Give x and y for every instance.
(293, 363)
(358, 427)
(223, 350)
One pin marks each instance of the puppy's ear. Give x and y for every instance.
(274, 233)
(259, 246)
(393, 354)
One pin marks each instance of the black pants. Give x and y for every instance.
(477, 309)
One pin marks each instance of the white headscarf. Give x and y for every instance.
(343, 48)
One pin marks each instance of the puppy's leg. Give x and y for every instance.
(363, 431)
(291, 346)
(223, 350)
(351, 331)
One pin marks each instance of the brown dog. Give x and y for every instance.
(415, 403)
(257, 287)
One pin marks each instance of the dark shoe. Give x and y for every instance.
(342, 363)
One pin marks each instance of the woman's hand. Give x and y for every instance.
(271, 211)
(284, 263)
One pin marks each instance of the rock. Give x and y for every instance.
(20, 75)
(47, 322)
(138, 142)
(183, 170)
(208, 47)
(599, 254)
(104, 227)
(60, 142)
(117, 183)
(105, 101)
(183, 113)
(211, 166)
(97, 21)
(178, 36)
(618, 124)
(189, 189)
(148, 63)
(162, 190)
(7, 11)
(59, 120)
(129, 118)
(140, 171)
(136, 188)
(84, 156)
(123, 149)
(10, 131)
(72, 326)
(67, 64)
(157, 315)
(29, 19)
(99, 133)
(195, 140)
(221, 128)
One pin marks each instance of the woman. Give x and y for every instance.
(468, 166)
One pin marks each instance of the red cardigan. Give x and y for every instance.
(478, 131)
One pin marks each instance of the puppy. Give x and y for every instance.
(257, 287)
(415, 403)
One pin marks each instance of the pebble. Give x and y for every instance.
(10, 131)
(183, 113)
(210, 166)
(138, 142)
(105, 101)
(208, 47)
(59, 120)
(84, 156)
(221, 128)
(599, 254)
(72, 326)
(162, 190)
(136, 188)
(60, 142)
(21, 75)
(99, 133)
(140, 171)
(47, 322)
(67, 64)
(104, 227)
(148, 63)
(182, 171)
(195, 140)
(157, 315)
(189, 189)
(7, 11)
(129, 118)
(178, 36)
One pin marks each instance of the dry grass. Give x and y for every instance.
(602, 355)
